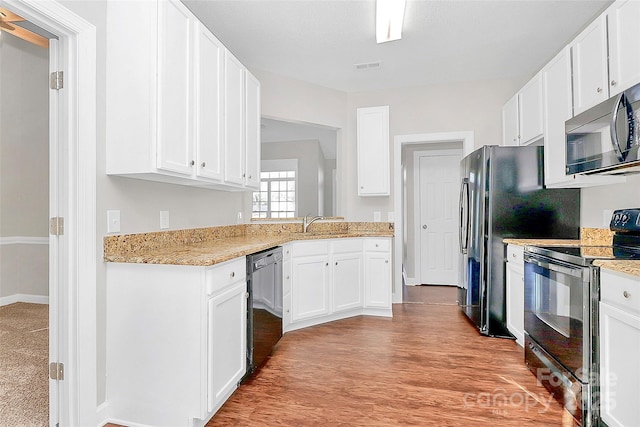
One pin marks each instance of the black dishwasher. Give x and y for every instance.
(264, 307)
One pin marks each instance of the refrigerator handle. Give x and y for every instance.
(463, 231)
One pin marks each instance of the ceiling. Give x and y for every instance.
(319, 41)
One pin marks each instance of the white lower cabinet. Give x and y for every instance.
(619, 348)
(515, 292)
(176, 341)
(336, 278)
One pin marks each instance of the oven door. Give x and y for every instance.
(556, 313)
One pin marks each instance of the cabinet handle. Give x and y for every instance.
(613, 82)
(513, 255)
(193, 162)
(599, 90)
(244, 175)
(376, 245)
(626, 294)
(326, 265)
(203, 164)
(386, 261)
(233, 274)
(287, 310)
(287, 277)
(249, 176)
(336, 262)
(361, 187)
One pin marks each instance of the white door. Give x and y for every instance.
(438, 232)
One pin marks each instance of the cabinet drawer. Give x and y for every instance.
(320, 247)
(515, 254)
(222, 275)
(378, 245)
(620, 290)
(346, 245)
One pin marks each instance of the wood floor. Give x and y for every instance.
(426, 366)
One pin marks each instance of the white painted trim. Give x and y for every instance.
(75, 167)
(32, 299)
(467, 139)
(23, 240)
(412, 281)
(417, 215)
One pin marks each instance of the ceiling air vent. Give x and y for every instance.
(368, 65)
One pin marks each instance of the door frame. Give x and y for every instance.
(399, 141)
(435, 152)
(75, 167)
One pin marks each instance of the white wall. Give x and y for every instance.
(24, 168)
(469, 106)
(594, 201)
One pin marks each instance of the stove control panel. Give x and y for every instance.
(626, 221)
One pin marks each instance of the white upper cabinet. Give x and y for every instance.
(252, 131)
(590, 76)
(175, 47)
(208, 93)
(175, 100)
(373, 151)
(510, 127)
(556, 83)
(530, 111)
(234, 123)
(624, 45)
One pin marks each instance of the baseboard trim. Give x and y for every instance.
(412, 281)
(23, 240)
(33, 299)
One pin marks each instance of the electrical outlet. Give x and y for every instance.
(113, 221)
(376, 216)
(391, 216)
(239, 218)
(164, 219)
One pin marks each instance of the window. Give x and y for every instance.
(277, 195)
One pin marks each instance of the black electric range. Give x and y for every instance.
(585, 255)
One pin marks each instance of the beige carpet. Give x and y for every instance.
(24, 355)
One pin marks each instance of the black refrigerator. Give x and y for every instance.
(502, 195)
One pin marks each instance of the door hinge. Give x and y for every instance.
(57, 80)
(56, 226)
(56, 371)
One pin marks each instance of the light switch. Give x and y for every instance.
(113, 221)
(164, 219)
(391, 216)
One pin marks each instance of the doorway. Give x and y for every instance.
(72, 174)
(435, 228)
(463, 141)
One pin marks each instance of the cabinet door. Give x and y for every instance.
(347, 281)
(309, 287)
(510, 129)
(209, 59)
(252, 129)
(234, 120)
(377, 280)
(530, 112)
(590, 76)
(619, 367)
(175, 46)
(226, 342)
(515, 300)
(624, 45)
(373, 151)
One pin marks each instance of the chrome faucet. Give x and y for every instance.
(306, 222)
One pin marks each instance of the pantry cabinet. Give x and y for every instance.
(175, 334)
(176, 100)
(373, 151)
(619, 348)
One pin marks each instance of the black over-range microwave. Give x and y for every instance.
(605, 139)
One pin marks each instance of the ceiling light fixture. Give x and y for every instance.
(389, 18)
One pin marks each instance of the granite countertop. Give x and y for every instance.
(629, 267)
(542, 242)
(209, 246)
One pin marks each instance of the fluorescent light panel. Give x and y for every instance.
(389, 18)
